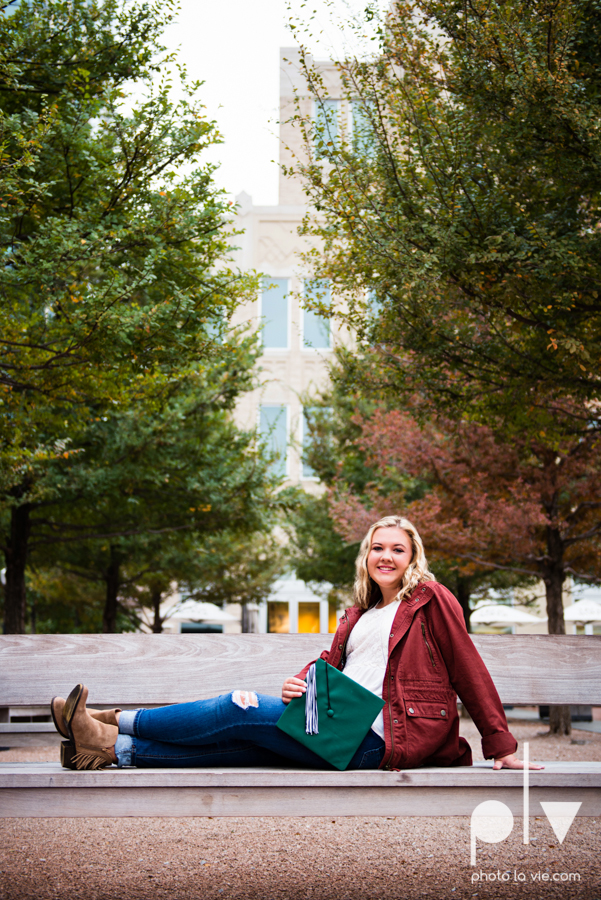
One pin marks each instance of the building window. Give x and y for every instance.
(326, 126)
(216, 326)
(275, 313)
(316, 328)
(308, 618)
(374, 305)
(278, 617)
(273, 426)
(332, 617)
(361, 125)
(307, 471)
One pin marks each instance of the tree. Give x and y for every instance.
(116, 289)
(153, 476)
(226, 567)
(520, 506)
(59, 602)
(233, 567)
(318, 552)
(339, 456)
(466, 199)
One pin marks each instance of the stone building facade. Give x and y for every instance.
(297, 344)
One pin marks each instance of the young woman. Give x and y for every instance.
(404, 639)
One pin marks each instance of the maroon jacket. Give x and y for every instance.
(431, 660)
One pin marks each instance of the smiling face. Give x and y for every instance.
(388, 558)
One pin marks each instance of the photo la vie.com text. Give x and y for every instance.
(492, 822)
(515, 877)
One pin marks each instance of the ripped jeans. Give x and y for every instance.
(236, 729)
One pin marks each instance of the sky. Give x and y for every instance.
(233, 46)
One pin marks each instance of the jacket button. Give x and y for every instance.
(396, 721)
(443, 712)
(340, 646)
(392, 635)
(411, 710)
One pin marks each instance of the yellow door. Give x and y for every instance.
(308, 618)
(278, 617)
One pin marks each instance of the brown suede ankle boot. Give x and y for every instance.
(94, 741)
(57, 707)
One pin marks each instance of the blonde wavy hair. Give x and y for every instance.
(366, 591)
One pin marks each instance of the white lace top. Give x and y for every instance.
(367, 652)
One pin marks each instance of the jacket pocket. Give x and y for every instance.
(428, 647)
(428, 724)
(427, 709)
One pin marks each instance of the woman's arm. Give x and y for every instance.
(471, 680)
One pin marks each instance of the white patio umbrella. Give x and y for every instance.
(202, 611)
(499, 614)
(583, 611)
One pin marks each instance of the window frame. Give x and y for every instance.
(276, 405)
(355, 104)
(319, 106)
(303, 312)
(288, 346)
(303, 425)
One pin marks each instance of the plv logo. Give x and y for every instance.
(492, 821)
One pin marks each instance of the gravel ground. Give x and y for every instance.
(352, 858)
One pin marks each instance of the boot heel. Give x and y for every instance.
(70, 707)
(67, 754)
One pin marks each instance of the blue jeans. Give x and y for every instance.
(223, 732)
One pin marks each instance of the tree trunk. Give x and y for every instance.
(464, 590)
(111, 577)
(155, 599)
(559, 716)
(250, 618)
(553, 576)
(560, 720)
(16, 560)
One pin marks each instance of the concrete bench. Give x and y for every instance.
(142, 670)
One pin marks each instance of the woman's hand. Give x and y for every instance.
(293, 687)
(512, 762)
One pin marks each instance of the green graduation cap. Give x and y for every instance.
(333, 716)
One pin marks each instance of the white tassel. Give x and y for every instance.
(311, 716)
